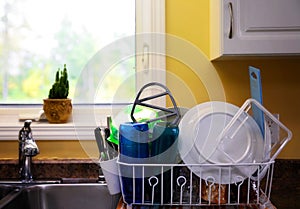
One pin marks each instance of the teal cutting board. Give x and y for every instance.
(256, 93)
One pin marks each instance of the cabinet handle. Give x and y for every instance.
(231, 20)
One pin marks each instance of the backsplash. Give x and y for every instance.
(52, 169)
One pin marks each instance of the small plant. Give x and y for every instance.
(60, 89)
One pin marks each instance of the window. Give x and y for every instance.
(40, 36)
(37, 37)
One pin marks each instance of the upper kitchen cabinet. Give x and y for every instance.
(254, 27)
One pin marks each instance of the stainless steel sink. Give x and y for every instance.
(6, 189)
(60, 196)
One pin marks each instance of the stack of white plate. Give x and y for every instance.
(219, 155)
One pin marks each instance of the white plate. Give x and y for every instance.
(201, 142)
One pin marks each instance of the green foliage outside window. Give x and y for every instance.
(27, 75)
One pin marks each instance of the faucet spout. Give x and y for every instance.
(27, 149)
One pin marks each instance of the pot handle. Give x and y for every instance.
(141, 101)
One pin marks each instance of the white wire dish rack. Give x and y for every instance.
(206, 184)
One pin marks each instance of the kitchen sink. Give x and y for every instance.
(57, 196)
(7, 189)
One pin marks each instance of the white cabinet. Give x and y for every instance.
(254, 27)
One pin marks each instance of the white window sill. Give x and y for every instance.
(85, 119)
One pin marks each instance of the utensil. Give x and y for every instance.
(107, 140)
(256, 93)
(106, 149)
(104, 155)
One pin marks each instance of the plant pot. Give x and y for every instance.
(57, 110)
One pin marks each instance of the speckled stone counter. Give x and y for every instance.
(52, 169)
(286, 184)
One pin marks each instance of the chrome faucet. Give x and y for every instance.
(27, 149)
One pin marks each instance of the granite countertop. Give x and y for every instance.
(53, 169)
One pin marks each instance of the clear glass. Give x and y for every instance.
(38, 37)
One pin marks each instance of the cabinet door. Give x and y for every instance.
(260, 27)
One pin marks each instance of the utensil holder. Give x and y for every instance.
(111, 173)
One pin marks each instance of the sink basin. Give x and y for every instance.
(60, 196)
(8, 193)
(6, 189)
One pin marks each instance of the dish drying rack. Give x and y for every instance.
(176, 184)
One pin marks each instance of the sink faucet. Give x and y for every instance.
(27, 149)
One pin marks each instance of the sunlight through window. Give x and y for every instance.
(37, 37)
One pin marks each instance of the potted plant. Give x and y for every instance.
(58, 106)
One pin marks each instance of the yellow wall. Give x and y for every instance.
(189, 20)
(52, 150)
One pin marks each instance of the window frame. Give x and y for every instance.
(84, 129)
